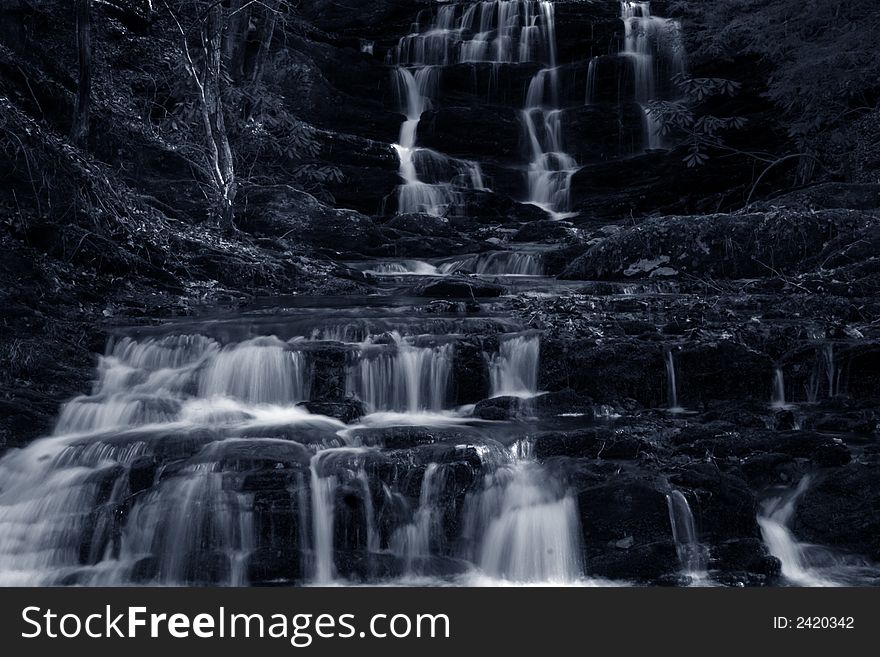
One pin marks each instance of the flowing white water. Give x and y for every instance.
(645, 38)
(496, 32)
(499, 263)
(692, 555)
(415, 540)
(778, 399)
(513, 371)
(774, 519)
(672, 385)
(550, 167)
(522, 529)
(420, 57)
(397, 375)
(323, 502)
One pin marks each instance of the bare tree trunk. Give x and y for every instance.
(266, 31)
(223, 164)
(79, 132)
(235, 38)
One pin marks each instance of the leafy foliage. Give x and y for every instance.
(823, 56)
(679, 118)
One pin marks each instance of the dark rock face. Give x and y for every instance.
(457, 288)
(626, 531)
(731, 246)
(472, 132)
(346, 411)
(631, 370)
(704, 373)
(839, 509)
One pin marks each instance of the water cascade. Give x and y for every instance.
(648, 42)
(414, 541)
(550, 167)
(394, 374)
(499, 263)
(778, 399)
(774, 519)
(514, 370)
(499, 32)
(692, 555)
(523, 529)
(672, 385)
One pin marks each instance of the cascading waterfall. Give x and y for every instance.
(397, 375)
(259, 371)
(550, 167)
(825, 371)
(774, 519)
(672, 385)
(499, 263)
(414, 540)
(496, 263)
(778, 399)
(513, 371)
(646, 37)
(523, 529)
(419, 58)
(494, 32)
(692, 555)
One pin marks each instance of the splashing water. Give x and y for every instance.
(513, 371)
(692, 555)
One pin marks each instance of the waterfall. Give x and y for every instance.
(825, 370)
(645, 38)
(323, 502)
(550, 168)
(193, 528)
(513, 370)
(419, 58)
(672, 385)
(778, 399)
(592, 84)
(499, 263)
(832, 373)
(401, 376)
(59, 519)
(410, 267)
(415, 540)
(774, 519)
(259, 371)
(492, 32)
(692, 555)
(523, 531)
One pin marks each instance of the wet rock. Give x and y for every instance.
(721, 245)
(748, 555)
(458, 288)
(626, 507)
(422, 224)
(141, 474)
(207, 568)
(641, 563)
(470, 369)
(347, 410)
(475, 133)
(273, 567)
(722, 371)
(770, 469)
(838, 510)
(725, 508)
(629, 369)
(543, 230)
(591, 443)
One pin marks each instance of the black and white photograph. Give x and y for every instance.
(439, 293)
